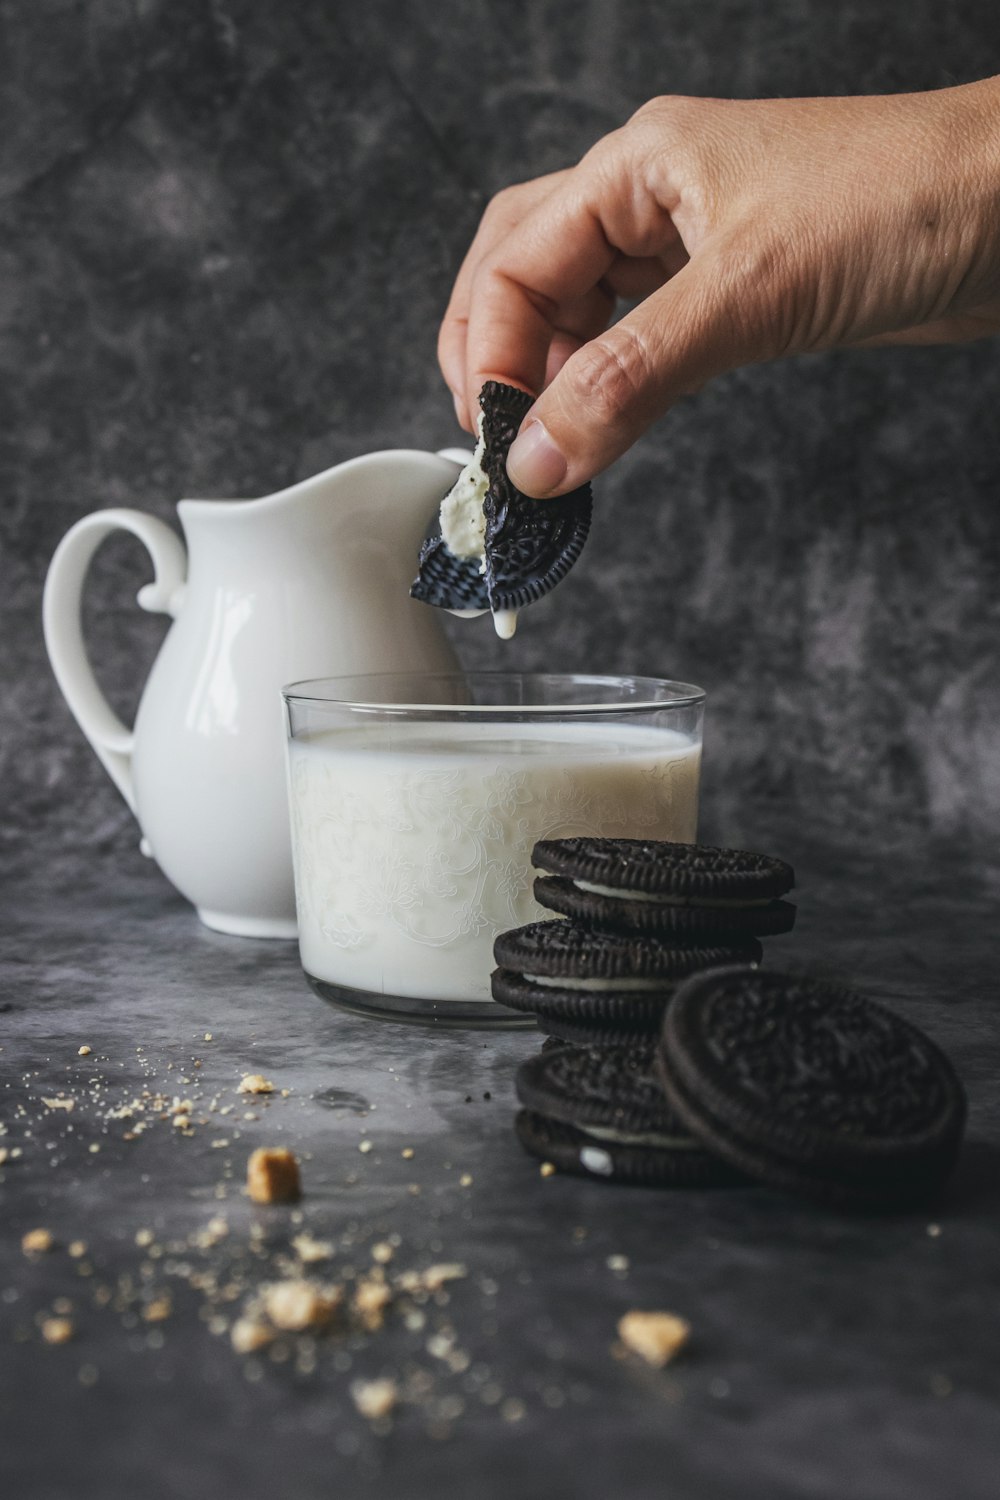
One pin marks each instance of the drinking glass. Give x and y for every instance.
(416, 801)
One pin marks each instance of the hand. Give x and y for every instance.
(750, 230)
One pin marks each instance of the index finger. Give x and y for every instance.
(556, 255)
(503, 213)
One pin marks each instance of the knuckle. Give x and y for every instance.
(611, 374)
(505, 203)
(671, 113)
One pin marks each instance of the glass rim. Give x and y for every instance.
(322, 691)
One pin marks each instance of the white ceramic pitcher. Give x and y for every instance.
(310, 582)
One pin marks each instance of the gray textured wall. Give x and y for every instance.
(227, 232)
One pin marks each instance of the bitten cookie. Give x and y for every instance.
(808, 1086)
(684, 893)
(600, 1112)
(510, 549)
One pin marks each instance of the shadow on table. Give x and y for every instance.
(975, 1186)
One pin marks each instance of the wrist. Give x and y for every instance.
(968, 161)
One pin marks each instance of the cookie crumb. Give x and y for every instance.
(58, 1330)
(364, 1147)
(369, 1303)
(144, 1237)
(294, 1306)
(310, 1250)
(59, 1102)
(465, 1180)
(158, 1310)
(547, 1169)
(77, 1248)
(407, 1153)
(255, 1083)
(273, 1175)
(434, 1278)
(655, 1336)
(249, 1334)
(382, 1252)
(84, 1051)
(934, 1231)
(37, 1241)
(374, 1398)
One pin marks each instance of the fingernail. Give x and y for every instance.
(459, 409)
(534, 463)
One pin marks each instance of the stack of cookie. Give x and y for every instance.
(642, 916)
(756, 1077)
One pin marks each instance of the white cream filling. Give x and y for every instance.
(652, 1138)
(623, 894)
(463, 524)
(609, 985)
(463, 528)
(595, 1160)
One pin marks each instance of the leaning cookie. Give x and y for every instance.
(812, 1088)
(498, 549)
(596, 986)
(685, 893)
(600, 1112)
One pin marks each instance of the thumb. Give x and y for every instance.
(615, 386)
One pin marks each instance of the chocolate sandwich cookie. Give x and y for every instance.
(597, 986)
(685, 893)
(512, 549)
(562, 1030)
(600, 1112)
(808, 1086)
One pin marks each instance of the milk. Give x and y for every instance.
(412, 842)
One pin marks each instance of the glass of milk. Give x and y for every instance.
(416, 800)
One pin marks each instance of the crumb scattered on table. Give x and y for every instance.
(57, 1330)
(309, 1250)
(374, 1398)
(273, 1175)
(371, 1298)
(294, 1306)
(248, 1334)
(255, 1083)
(655, 1336)
(37, 1241)
(434, 1278)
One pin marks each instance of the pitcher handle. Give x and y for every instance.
(111, 740)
